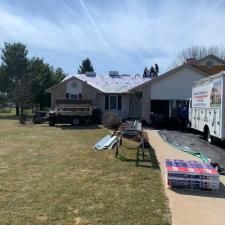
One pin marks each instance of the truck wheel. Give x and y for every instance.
(75, 121)
(188, 126)
(207, 135)
(51, 121)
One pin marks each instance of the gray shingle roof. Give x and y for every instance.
(111, 85)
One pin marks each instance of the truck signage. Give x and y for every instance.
(208, 95)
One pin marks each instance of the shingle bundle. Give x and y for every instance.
(191, 175)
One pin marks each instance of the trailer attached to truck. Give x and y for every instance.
(72, 111)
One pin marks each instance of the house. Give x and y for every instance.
(138, 97)
(109, 93)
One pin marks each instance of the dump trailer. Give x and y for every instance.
(71, 111)
(206, 107)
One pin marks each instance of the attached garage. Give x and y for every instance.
(171, 92)
(164, 95)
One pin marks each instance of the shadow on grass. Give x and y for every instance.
(210, 194)
(8, 117)
(79, 127)
(4, 116)
(144, 158)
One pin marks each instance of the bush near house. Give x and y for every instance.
(111, 120)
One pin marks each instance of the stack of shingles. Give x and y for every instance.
(191, 175)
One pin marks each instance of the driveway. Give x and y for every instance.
(188, 207)
(196, 142)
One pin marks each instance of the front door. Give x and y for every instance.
(135, 105)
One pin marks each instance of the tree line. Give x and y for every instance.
(198, 52)
(26, 79)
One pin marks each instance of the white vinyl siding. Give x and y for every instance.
(176, 86)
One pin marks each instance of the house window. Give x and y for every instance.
(73, 96)
(80, 95)
(67, 95)
(113, 102)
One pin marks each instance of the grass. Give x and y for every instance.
(4, 113)
(51, 175)
(12, 112)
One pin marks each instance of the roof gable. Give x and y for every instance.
(210, 64)
(208, 57)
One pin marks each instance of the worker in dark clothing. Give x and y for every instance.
(156, 69)
(145, 74)
(184, 116)
(152, 72)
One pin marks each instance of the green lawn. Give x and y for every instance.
(51, 175)
(8, 113)
(12, 113)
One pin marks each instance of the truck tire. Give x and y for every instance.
(51, 122)
(207, 135)
(75, 121)
(188, 126)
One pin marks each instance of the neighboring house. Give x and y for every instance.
(137, 97)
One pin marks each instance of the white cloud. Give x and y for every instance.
(125, 35)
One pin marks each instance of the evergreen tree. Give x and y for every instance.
(85, 67)
(18, 79)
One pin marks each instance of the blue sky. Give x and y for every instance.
(123, 35)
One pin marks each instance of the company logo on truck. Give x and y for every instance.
(215, 97)
(208, 95)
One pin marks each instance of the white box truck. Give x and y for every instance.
(207, 108)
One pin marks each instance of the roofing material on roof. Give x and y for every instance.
(108, 84)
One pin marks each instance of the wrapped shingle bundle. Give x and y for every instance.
(191, 175)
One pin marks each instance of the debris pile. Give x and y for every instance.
(192, 175)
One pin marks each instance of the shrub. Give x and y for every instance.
(96, 116)
(111, 120)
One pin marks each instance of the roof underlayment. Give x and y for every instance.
(109, 84)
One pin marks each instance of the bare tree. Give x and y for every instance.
(198, 52)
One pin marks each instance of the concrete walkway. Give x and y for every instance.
(189, 207)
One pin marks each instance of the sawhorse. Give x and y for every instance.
(144, 151)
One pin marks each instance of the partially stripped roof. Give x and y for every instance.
(108, 84)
